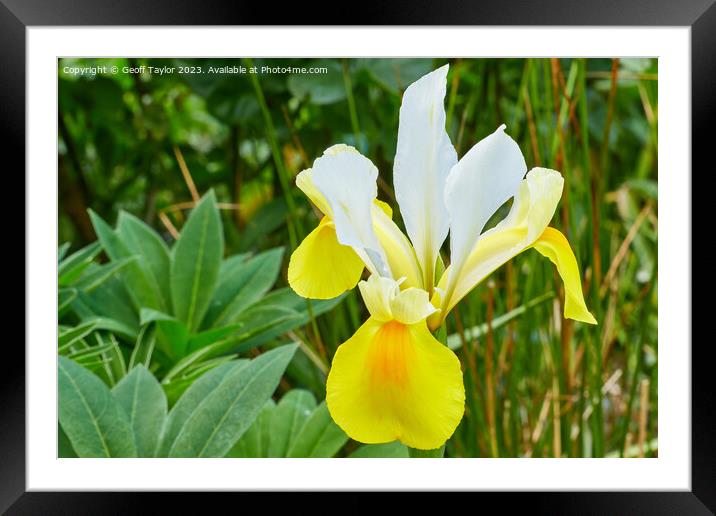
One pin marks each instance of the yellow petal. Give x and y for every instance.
(411, 306)
(554, 245)
(385, 207)
(532, 209)
(400, 254)
(385, 301)
(395, 381)
(304, 181)
(322, 268)
(378, 293)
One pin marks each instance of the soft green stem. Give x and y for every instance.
(438, 453)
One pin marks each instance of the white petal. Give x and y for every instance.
(531, 212)
(423, 158)
(482, 181)
(347, 180)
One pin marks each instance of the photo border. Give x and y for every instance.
(700, 16)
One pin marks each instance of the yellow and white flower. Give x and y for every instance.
(392, 379)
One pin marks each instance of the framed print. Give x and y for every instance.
(268, 252)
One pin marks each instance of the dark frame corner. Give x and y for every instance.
(700, 15)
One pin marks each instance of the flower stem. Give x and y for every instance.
(437, 453)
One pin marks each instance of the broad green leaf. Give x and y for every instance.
(225, 414)
(254, 327)
(190, 400)
(176, 387)
(396, 74)
(143, 348)
(71, 268)
(256, 440)
(292, 304)
(241, 285)
(196, 259)
(140, 288)
(93, 420)
(65, 296)
(109, 324)
(153, 252)
(319, 88)
(64, 446)
(148, 315)
(144, 402)
(110, 300)
(319, 436)
(91, 280)
(208, 337)
(287, 420)
(396, 449)
(172, 335)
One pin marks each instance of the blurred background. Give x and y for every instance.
(537, 385)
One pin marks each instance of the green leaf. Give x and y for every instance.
(153, 252)
(70, 269)
(93, 420)
(241, 285)
(110, 300)
(225, 414)
(62, 251)
(256, 440)
(289, 417)
(109, 324)
(114, 363)
(208, 337)
(69, 336)
(319, 437)
(196, 261)
(143, 348)
(320, 88)
(65, 296)
(92, 280)
(144, 402)
(64, 446)
(396, 449)
(172, 334)
(295, 314)
(190, 400)
(140, 288)
(176, 387)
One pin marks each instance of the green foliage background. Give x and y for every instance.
(537, 385)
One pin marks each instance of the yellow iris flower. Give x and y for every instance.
(392, 379)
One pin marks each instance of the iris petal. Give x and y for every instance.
(423, 159)
(395, 381)
(532, 209)
(554, 245)
(398, 251)
(482, 181)
(347, 180)
(321, 267)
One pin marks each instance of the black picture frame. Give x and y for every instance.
(700, 15)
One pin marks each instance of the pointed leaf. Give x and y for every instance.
(196, 261)
(93, 420)
(225, 414)
(144, 402)
(319, 437)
